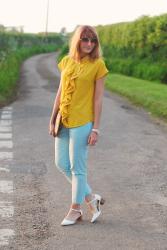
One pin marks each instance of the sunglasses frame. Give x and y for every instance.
(86, 40)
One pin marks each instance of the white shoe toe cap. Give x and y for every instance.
(67, 222)
(95, 216)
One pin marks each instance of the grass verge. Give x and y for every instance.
(150, 95)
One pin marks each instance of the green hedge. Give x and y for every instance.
(143, 69)
(137, 48)
(10, 70)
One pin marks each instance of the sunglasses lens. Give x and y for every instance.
(85, 39)
(94, 40)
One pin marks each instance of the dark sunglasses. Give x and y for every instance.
(86, 40)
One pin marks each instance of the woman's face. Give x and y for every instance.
(87, 44)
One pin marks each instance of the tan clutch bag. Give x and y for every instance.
(58, 124)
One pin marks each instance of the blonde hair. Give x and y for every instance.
(82, 31)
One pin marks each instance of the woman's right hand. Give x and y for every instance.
(51, 129)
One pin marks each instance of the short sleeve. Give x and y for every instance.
(102, 70)
(61, 65)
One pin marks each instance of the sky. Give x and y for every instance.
(32, 14)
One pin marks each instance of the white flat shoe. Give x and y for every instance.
(95, 206)
(66, 222)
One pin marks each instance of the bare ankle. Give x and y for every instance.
(76, 206)
(89, 197)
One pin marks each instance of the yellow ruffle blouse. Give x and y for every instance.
(77, 92)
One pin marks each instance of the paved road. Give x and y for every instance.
(128, 167)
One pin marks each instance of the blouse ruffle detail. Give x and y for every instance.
(70, 74)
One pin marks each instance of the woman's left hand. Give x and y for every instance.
(92, 139)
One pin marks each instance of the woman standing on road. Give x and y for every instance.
(79, 99)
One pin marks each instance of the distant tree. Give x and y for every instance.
(2, 28)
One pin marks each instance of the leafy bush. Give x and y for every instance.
(10, 69)
(137, 48)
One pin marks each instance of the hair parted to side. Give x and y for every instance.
(82, 31)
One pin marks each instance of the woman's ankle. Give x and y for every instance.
(76, 206)
(89, 197)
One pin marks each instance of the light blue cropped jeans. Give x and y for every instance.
(71, 153)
